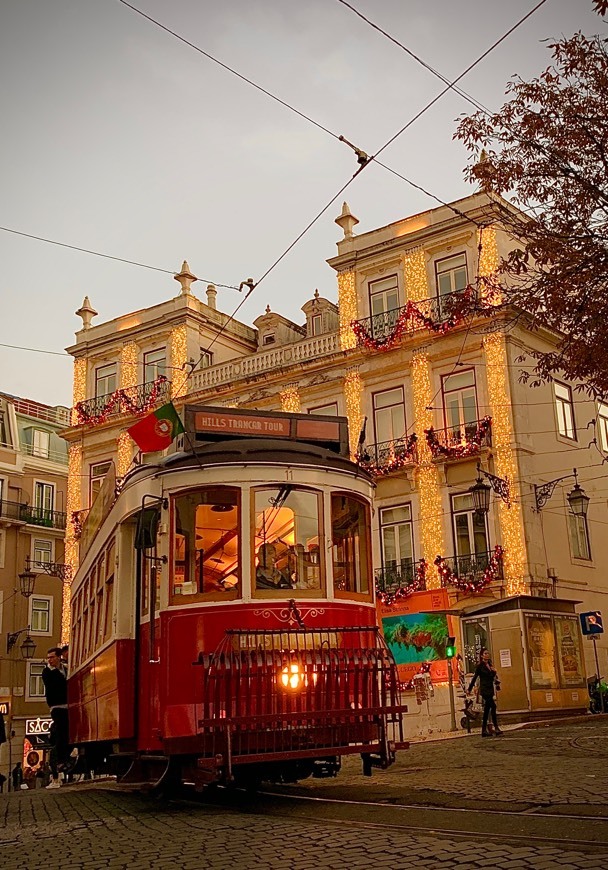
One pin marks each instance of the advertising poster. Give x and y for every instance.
(569, 655)
(541, 651)
(416, 634)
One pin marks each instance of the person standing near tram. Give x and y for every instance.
(488, 686)
(55, 679)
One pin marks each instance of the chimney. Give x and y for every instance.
(211, 296)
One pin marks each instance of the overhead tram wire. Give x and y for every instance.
(106, 256)
(325, 129)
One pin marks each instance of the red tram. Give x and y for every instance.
(223, 619)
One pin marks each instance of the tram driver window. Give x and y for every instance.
(286, 540)
(206, 541)
(351, 548)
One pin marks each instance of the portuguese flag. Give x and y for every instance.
(157, 430)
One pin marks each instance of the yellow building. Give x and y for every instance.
(426, 363)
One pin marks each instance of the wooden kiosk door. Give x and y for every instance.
(508, 659)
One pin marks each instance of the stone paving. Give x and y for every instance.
(91, 826)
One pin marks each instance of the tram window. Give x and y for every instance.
(207, 541)
(350, 537)
(286, 540)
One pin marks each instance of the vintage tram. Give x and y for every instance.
(223, 619)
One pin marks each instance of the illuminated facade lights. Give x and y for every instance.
(290, 399)
(124, 453)
(79, 391)
(128, 365)
(488, 266)
(431, 526)
(353, 394)
(348, 308)
(73, 504)
(414, 272)
(505, 462)
(178, 343)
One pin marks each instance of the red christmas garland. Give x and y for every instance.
(473, 586)
(418, 584)
(410, 315)
(458, 451)
(401, 457)
(120, 400)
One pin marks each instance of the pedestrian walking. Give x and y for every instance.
(488, 686)
(55, 680)
(17, 776)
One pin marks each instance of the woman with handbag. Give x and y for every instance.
(488, 686)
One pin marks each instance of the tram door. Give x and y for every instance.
(149, 642)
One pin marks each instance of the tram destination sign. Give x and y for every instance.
(207, 423)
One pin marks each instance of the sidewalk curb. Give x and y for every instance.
(516, 726)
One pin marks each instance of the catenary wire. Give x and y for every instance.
(107, 256)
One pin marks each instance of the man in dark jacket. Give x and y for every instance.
(55, 679)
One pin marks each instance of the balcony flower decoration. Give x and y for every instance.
(412, 315)
(470, 447)
(472, 584)
(78, 518)
(402, 453)
(418, 584)
(121, 400)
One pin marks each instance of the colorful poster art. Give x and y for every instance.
(569, 654)
(416, 638)
(541, 651)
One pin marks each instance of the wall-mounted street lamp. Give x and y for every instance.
(27, 579)
(481, 491)
(28, 647)
(577, 499)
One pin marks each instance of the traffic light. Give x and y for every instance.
(450, 648)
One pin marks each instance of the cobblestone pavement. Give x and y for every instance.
(91, 826)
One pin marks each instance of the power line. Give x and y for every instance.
(107, 256)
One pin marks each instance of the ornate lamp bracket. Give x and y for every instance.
(499, 485)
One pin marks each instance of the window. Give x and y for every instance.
(42, 553)
(286, 543)
(44, 502)
(451, 274)
(470, 535)
(350, 523)
(207, 541)
(41, 443)
(579, 536)
(268, 339)
(40, 614)
(397, 541)
(460, 405)
(564, 407)
(316, 324)
(389, 415)
(97, 473)
(383, 295)
(105, 380)
(35, 685)
(206, 359)
(330, 410)
(3, 429)
(155, 364)
(602, 425)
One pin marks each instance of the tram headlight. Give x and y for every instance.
(291, 677)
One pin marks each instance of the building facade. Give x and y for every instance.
(426, 363)
(33, 487)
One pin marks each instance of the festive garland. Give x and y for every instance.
(77, 523)
(418, 584)
(402, 455)
(120, 400)
(471, 585)
(458, 451)
(409, 316)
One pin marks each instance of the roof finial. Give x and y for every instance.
(347, 221)
(185, 278)
(87, 312)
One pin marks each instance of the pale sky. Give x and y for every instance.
(121, 139)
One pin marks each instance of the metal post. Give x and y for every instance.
(451, 690)
(597, 671)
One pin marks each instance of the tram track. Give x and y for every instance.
(532, 825)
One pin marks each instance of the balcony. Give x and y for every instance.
(395, 575)
(40, 453)
(471, 573)
(387, 456)
(130, 400)
(437, 313)
(25, 513)
(460, 442)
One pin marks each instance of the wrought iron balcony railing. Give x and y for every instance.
(387, 456)
(36, 516)
(433, 313)
(456, 442)
(11, 510)
(131, 400)
(395, 575)
(42, 453)
(472, 568)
